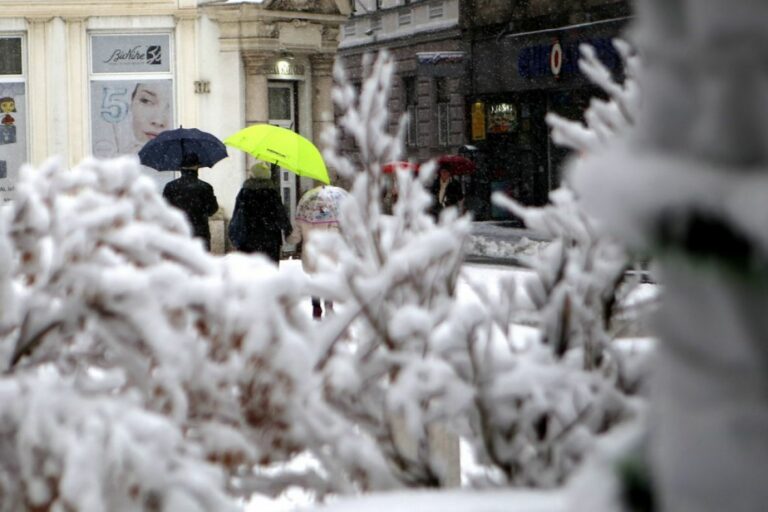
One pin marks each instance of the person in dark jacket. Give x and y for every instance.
(195, 198)
(259, 221)
(446, 191)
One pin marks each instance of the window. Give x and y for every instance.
(442, 100)
(132, 94)
(411, 101)
(404, 18)
(13, 113)
(10, 56)
(376, 24)
(443, 124)
(436, 10)
(349, 29)
(279, 100)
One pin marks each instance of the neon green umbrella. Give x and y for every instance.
(283, 147)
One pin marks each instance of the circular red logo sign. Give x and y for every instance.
(556, 58)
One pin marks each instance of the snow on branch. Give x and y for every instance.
(108, 298)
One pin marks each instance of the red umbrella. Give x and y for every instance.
(457, 165)
(391, 167)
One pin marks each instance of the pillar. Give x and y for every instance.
(322, 104)
(256, 106)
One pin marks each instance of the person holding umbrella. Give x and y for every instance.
(187, 149)
(446, 190)
(317, 211)
(194, 197)
(259, 221)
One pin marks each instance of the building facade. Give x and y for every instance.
(524, 65)
(80, 78)
(477, 78)
(425, 40)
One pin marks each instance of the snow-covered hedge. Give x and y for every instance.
(143, 373)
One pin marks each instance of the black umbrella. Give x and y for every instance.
(182, 147)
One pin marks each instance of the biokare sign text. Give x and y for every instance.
(139, 53)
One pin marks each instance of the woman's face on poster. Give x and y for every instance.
(151, 109)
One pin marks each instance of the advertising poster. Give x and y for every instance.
(13, 136)
(502, 118)
(126, 114)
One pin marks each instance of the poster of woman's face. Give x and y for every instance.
(126, 114)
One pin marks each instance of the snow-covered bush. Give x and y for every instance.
(404, 351)
(580, 289)
(187, 380)
(396, 275)
(130, 345)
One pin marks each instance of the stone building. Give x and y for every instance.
(425, 39)
(525, 64)
(70, 72)
(478, 76)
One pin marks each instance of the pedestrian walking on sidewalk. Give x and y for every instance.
(317, 211)
(446, 191)
(259, 221)
(195, 198)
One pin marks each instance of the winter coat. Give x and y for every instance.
(264, 219)
(302, 231)
(452, 197)
(196, 199)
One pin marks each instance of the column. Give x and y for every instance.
(256, 102)
(37, 80)
(77, 97)
(186, 71)
(322, 104)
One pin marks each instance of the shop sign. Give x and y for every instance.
(562, 59)
(445, 63)
(556, 58)
(478, 120)
(286, 68)
(440, 57)
(138, 53)
(502, 118)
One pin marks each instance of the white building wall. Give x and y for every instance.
(222, 111)
(57, 64)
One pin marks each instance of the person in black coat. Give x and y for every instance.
(446, 191)
(195, 198)
(259, 221)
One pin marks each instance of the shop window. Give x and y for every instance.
(411, 102)
(13, 113)
(131, 93)
(436, 10)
